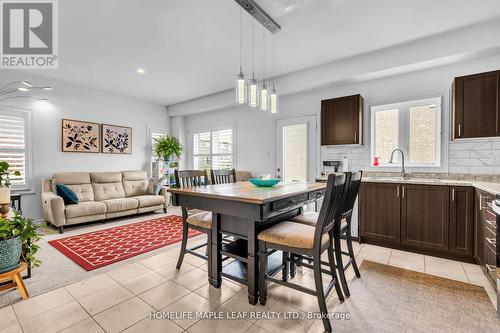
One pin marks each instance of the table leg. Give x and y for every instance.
(252, 265)
(216, 257)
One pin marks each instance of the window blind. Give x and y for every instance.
(13, 145)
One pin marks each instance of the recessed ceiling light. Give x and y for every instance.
(22, 89)
(141, 71)
(47, 88)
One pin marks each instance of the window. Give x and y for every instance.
(413, 126)
(213, 150)
(14, 144)
(155, 133)
(295, 152)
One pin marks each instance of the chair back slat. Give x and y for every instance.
(333, 203)
(223, 176)
(353, 185)
(190, 178)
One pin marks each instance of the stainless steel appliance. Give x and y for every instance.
(330, 167)
(495, 206)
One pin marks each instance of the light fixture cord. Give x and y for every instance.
(253, 48)
(274, 59)
(264, 52)
(241, 39)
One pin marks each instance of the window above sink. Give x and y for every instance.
(414, 126)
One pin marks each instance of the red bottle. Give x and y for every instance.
(375, 161)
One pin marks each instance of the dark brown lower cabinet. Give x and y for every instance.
(380, 205)
(485, 235)
(425, 216)
(462, 220)
(430, 219)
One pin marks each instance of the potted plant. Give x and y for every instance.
(167, 148)
(5, 186)
(18, 239)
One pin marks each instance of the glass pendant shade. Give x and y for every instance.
(253, 94)
(264, 98)
(241, 89)
(273, 97)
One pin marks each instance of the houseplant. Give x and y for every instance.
(18, 239)
(17, 234)
(167, 148)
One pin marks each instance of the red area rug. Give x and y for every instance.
(101, 248)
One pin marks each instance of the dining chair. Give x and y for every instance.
(310, 241)
(223, 176)
(342, 228)
(194, 218)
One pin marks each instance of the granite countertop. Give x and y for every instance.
(492, 187)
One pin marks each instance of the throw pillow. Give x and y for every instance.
(68, 195)
(155, 185)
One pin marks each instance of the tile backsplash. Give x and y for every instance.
(478, 156)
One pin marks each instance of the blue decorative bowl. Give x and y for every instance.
(264, 182)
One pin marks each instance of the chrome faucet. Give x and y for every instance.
(402, 161)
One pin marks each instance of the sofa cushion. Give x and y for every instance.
(106, 191)
(106, 177)
(135, 183)
(85, 209)
(120, 204)
(79, 182)
(150, 200)
(68, 195)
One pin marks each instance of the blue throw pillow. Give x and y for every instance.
(68, 195)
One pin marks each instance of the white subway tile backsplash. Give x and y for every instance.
(467, 145)
(459, 154)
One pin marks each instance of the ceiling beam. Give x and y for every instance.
(259, 15)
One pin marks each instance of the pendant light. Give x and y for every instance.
(241, 84)
(273, 97)
(264, 92)
(253, 93)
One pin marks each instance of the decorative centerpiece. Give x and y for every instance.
(169, 150)
(269, 182)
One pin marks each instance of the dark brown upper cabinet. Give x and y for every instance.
(342, 121)
(476, 104)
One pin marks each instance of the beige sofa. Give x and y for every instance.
(101, 195)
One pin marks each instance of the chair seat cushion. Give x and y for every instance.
(310, 218)
(203, 220)
(120, 204)
(291, 234)
(150, 200)
(85, 209)
(195, 211)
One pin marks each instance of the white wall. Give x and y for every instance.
(81, 103)
(255, 129)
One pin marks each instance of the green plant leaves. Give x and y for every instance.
(167, 146)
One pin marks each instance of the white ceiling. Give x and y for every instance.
(189, 48)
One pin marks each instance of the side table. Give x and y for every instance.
(16, 280)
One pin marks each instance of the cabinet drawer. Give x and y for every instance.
(289, 202)
(315, 195)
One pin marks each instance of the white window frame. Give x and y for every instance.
(211, 130)
(404, 131)
(28, 146)
(150, 131)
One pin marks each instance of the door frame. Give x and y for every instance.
(315, 136)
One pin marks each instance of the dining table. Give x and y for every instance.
(242, 210)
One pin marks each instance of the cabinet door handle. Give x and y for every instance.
(403, 191)
(397, 191)
(459, 130)
(355, 137)
(452, 194)
(480, 202)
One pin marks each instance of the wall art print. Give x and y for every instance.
(80, 136)
(116, 139)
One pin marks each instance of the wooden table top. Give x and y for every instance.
(247, 192)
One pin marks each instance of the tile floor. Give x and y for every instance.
(121, 300)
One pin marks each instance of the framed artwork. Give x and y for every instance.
(80, 136)
(116, 139)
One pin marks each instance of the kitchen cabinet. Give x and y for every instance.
(430, 219)
(342, 120)
(485, 238)
(462, 220)
(380, 205)
(425, 216)
(475, 106)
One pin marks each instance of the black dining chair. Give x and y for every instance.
(309, 241)
(342, 228)
(194, 218)
(225, 176)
